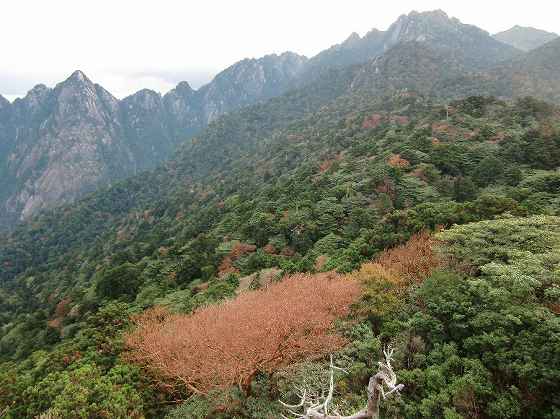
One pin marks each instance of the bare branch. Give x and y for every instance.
(385, 377)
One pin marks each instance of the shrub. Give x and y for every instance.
(229, 344)
(413, 261)
(124, 280)
(386, 280)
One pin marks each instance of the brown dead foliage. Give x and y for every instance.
(320, 262)
(387, 279)
(63, 307)
(325, 165)
(499, 137)
(386, 187)
(397, 161)
(239, 249)
(288, 251)
(400, 120)
(259, 331)
(401, 266)
(269, 249)
(373, 121)
(55, 323)
(414, 261)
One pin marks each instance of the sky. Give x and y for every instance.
(127, 45)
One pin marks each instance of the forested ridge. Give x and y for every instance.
(321, 180)
(59, 144)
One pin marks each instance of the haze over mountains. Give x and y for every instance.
(58, 144)
(525, 38)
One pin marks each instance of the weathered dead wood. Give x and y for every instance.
(314, 406)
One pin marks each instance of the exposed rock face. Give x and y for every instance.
(57, 144)
(354, 50)
(182, 106)
(525, 38)
(474, 47)
(249, 81)
(63, 137)
(5, 129)
(147, 129)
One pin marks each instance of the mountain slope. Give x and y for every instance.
(317, 179)
(411, 67)
(249, 81)
(525, 38)
(354, 50)
(535, 74)
(63, 138)
(322, 178)
(472, 46)
(58, 144)
(429, 53)
(417, 67)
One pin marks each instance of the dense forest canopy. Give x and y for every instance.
(424, 215)
(327, 190)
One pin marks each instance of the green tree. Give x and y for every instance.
(124, 280)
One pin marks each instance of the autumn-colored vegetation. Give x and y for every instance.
(260, 331)
(386, 279)
(413, 261)
(238, 249)
(397, 161)
(477, 338)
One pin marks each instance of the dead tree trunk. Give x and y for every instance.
(374, 396)
(318, 407)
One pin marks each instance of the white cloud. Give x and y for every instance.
(128, 44)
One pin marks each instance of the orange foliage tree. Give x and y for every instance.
(397, 161)
(239, 249)
(386, 280)
(413, 261)
(260, 331)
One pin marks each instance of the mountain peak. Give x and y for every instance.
(38, 89)
(3, 102)
(525, 38)
(35, 96)
(430, 13)
(147, 98)
(474, 46)
(185, 86)
(437, 13)
(354, 38)
(146, 93)
(79, 76)
(79, 85)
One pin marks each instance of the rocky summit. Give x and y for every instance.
(58, 144)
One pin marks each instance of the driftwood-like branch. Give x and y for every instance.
(315, 406)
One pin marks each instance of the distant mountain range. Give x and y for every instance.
(58, 144)
(525, 38)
